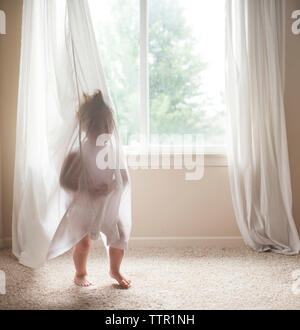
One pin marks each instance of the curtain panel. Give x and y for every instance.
(59, 63)
(258, 152)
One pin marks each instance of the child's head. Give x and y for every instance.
(95, 116)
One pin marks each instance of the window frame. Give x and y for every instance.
(144, 98)
(144, 71)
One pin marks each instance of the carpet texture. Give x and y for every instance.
(163, 278)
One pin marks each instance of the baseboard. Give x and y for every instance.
(5, 243)
(202, 241)
(218, 241)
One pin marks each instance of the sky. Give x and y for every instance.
(207, 17)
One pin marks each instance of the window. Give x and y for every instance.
(164, 64)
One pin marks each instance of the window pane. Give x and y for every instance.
(116, 24)
(186, 68)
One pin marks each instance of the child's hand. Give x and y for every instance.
(103, 189)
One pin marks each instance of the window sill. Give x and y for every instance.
(212, 158)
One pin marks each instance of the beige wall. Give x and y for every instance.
(292, 101)
(167, 205)
(9, 71)
(164, 204)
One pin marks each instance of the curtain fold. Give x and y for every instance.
(59, 63)
(258, 152)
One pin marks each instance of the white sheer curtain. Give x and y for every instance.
(59, 62)
(258, 156)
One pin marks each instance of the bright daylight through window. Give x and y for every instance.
(164, 64)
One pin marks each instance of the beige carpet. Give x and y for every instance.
(163, 278)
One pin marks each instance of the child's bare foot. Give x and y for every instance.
(82, 281)
(123, 282)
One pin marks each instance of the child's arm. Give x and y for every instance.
(124, 177)
(105, 188)
(70, 172)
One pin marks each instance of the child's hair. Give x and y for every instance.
(95, 116)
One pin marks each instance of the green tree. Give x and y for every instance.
(175, 70)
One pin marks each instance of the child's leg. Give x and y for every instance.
(115, 258)
(80, 256)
